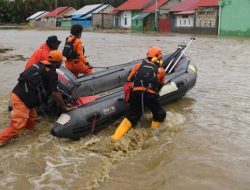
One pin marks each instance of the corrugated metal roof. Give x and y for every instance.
(189, 5)
(85, 10)
(95, 11)
(151, 9)
(140, 16)
(208, 3)
(56, 12)
(69, 14)
(133, 5)
(68, 10)
(114, 12)
(185, 13)
(37, 15)
(185, 5)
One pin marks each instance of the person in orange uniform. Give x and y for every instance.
(41, 54)
(78, 64)
(34, 86)
(148, 77)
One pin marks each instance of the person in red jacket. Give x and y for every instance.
(148, 77)
(41, 54)
(78, 63)
(34, 86)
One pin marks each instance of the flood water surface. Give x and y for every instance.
(203, 143)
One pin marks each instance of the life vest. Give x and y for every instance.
(146, 77)
(68, 50)
(33, 80)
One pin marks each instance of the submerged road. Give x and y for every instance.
(203, 144)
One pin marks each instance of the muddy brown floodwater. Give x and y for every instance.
(203, 144)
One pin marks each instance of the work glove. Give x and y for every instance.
(69, 108)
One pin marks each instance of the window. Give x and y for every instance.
(125, 20)
(116, 21)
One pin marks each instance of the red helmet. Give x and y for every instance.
(154, 52)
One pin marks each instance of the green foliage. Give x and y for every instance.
(16, 11)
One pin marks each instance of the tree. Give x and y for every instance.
(16, 11)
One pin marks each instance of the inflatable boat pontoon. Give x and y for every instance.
(108, 102)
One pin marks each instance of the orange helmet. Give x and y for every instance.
(154, 52)
(56, 56)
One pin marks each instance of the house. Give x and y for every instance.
(234, 18)
(196, 16)
(67, 19)
(183, 16)
(84, 15)
(154, 17)
(147, 20)
(165, 23)
(124, 13)
(206, 17)
(36, 17)
(102, 18)
(54, 17)
(60, 16)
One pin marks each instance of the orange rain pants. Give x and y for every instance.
(22, 118)
(77, 68)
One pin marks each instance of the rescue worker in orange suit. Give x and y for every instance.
(34, 86)
(78, 64)
(41, 54)
(148, 77)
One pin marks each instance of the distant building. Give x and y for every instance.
(83, 16)
(125, 12)
(235, 17)
(154, 18)
(144, 15)
(147, 20)
(36, 17)
(54, 17)
(196, 16)
(102, 19)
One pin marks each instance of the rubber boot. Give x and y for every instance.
(155, 124)
(122, 129)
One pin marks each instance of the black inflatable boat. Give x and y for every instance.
(108, 102)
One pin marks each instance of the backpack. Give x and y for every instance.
(146, 76)
(68, 50)
(32, 77)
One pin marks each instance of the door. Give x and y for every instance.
(164, 25)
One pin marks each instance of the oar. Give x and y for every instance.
(182, 52)
(171, 58)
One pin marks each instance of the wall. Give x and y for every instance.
(41, 24)
(206, 20)
(235, 18)
(184, 21)
(102, 20)
(124, 15)
(164, 9)
(66, 24)
(136, 24)
(108, 9)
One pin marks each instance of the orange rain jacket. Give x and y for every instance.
(78, 65)
(160, 75)
(41, 54)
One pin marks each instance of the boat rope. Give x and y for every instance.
(93, 119)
